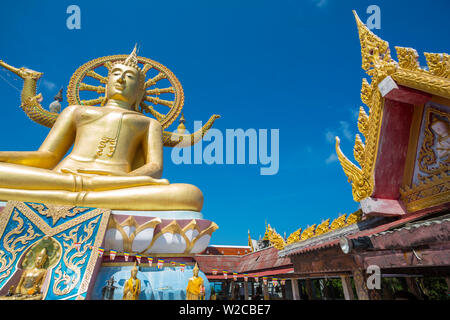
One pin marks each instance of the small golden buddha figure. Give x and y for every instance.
(132, 287)
(101, 170)
(195, 289)
(30, 283)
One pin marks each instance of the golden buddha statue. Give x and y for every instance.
(101, 169)
(30, 283)
(132, 287)
(195, 289)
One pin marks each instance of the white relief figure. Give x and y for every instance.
(441, 130)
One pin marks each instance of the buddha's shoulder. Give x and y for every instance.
(78, 108)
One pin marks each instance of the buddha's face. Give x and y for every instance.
(134, 273)
(40, 259)
(123, 84)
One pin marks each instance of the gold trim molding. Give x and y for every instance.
(173, 227)
(428, 193)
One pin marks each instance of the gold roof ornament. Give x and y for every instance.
(275, 239)
(322, 228)
(378, 64)
(338, 223)
(308, 233)
(250, 244)
(312, 231)
(294, 236)
(354, 217)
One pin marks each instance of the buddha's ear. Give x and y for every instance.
(139, 100)
(105, 99)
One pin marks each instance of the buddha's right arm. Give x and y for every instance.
(52, 150)
(38, 159)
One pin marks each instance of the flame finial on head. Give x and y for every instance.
(132, 60)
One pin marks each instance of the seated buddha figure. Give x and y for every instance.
(100, 170)
(30, 283)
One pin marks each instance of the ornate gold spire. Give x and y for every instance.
(131, 60)
(378, 64)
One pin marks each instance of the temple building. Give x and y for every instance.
(397, 245)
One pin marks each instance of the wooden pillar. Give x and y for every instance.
(233, 284)
(347, 287)
(386, 289)
(295, 290)
(413, 288)
(245, 290)
(360, 285)
(266, 291)
(309, 289)
(283, 291)
(448, 286)
(323, 293)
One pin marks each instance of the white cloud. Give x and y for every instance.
(332, 158)
(330, 136)
(344, 130)
(354, 112)
(49, 85)
(320, 3)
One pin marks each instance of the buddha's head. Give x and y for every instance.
(134, 272)
(40, 259)
(126, 82)
(196, 270)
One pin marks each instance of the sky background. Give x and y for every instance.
(288, 65)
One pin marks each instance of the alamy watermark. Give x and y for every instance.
(374, 279)
(239, 145)
(74, 20)
(374, 20)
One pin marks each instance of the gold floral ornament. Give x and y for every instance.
(378, 64)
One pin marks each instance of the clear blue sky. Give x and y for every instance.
(288, 65)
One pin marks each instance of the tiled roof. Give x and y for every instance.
(262, 260)
(332, 238)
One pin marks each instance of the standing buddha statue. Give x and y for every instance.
(132, 287)
(195, 288)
